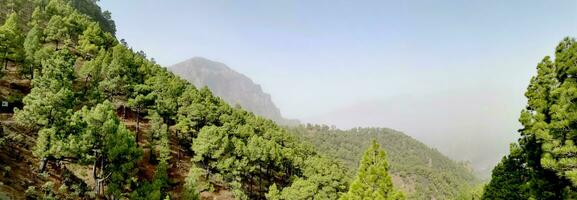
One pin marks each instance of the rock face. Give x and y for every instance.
(235, 88)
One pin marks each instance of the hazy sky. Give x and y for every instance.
(316, 56)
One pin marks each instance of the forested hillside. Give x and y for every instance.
(88, 117)
(95, 119)
(419, 171)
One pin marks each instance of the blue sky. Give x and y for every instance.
(314, 57)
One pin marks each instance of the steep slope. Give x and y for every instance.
(421, 172)
(235, 88)
(104, 122)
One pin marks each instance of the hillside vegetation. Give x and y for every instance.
(102, 120)
(419, 171)
(91, 118)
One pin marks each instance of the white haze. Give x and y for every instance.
(467, 125)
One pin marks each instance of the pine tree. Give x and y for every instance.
(57, 31)
(143, 98)
(120, 74)
(509, 178)
(323, 179)
(91, 40)
(168, 91)
(189, 116)
(108, 146)
(31, 47)
(38, 18)
(94, 71)
(373, 180)
(11, 40)
(49, 105)
(158, 136)
(547, 143)
(559, 149)
(190, 191)
(58, 7)
(273, 193)
(536, 134)
(210, 145)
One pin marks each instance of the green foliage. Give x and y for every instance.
(57, 31)
(323, 178)
(190, 191)
(32, 48)
(91, 39)
(373, 180)
(509, 178)
(92, 10)
(120, 74)
(11, 40)
(473, 193)
(543, 167)
(168, 89)
(93, 72)
(422, 172)
(58, 7)
(37, 18)
(106, 144)
(49, 105)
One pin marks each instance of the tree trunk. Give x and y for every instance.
(207, 171)
(268, 177)
(6, 59)
(250, 186)
(85, 85)
(5, 63)
(96, 181)
(137, 124)
(260, 179)
(31, 71)
(43, 164)
(150, 157)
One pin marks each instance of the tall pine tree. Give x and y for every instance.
(547, 143)
(48, 107)
(373, 180)
(11, 40)
(108, 146)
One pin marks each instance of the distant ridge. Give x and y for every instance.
(235, 88)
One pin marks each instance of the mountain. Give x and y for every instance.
(419, 171)
(233, 87)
